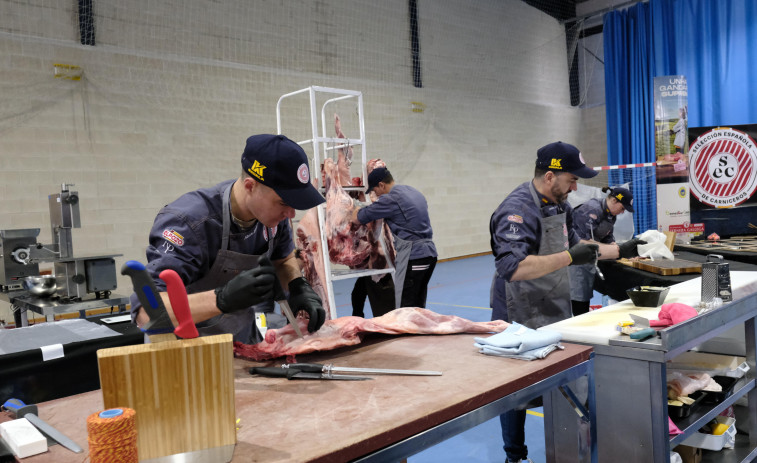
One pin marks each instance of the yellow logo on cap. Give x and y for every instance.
(257, 170)
(619, 196)
(555, 164)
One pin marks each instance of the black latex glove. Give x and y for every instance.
(583, 254)
(248, 288)
(628, 249)
(302, 297)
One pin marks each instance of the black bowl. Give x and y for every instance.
(647, 296)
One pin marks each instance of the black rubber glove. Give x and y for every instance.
(248, 288)
(628, 249)
(583, 254)
(302, 297)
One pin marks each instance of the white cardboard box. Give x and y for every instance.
(23, 438)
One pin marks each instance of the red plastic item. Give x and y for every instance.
(177, 293)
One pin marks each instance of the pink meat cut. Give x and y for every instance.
(348, 331)
(354, 245)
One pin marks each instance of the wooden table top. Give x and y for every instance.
(321, 420)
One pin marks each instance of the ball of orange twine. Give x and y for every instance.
(112, 436)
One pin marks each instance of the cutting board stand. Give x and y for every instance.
(182, 392)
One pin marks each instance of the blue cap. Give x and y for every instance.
(623, 195)
(377, 175)
(563, 157)
(281, 164)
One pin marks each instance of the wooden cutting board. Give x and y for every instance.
(664, 266)
(182, 391)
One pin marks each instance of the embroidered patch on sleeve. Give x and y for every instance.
(173, 237)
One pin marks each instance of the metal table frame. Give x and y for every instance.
(555, 384)
(50, 307)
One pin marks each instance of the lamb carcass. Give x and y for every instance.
(348, 331)
(356, 246)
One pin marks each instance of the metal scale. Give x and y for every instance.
(82, 282)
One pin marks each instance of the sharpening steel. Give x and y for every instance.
(329, 369)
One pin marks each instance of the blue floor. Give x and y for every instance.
(461, 287)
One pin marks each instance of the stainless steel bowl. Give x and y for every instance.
(40, 285)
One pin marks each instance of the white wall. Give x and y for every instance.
(173, 88)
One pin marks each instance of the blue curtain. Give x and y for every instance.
(708, 42)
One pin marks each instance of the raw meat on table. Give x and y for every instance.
(348, 331)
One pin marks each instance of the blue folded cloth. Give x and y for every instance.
(533, 354)
(517, 339)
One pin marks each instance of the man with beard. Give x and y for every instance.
(533, 243)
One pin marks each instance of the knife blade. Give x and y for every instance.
(298, 374)
(160, 326)
(639, 320)
(290, 316)
(329, 369)
(177, 294)
(21, 410)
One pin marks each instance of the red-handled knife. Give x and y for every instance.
(177, 294)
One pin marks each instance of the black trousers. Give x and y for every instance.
(380, 294)
(418, 275)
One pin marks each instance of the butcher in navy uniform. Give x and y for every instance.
(533, 243)
(595, 220)
(406, 212)
(230, 243)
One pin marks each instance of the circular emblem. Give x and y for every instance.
(723, 167)
(581, 158)
(303, 174)
(682, 192)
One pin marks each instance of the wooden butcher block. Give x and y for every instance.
(182, 391)
(664, 266)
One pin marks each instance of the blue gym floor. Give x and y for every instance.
(461, 287)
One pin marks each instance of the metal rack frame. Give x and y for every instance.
(321, 145)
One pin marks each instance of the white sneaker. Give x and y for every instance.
(527, 460)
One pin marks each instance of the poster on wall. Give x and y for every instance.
(723, 179)
(672, 156)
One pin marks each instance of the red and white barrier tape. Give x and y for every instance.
(626, 166)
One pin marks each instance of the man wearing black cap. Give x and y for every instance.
(406, 212)
(533, 243)
(595, 220)
(230, 243)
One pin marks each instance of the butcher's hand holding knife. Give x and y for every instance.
(256, 285)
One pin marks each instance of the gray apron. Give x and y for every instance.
(545, 300)
(582, 276)
(403, 248)
(226, 266)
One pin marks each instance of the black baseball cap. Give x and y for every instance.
(563, 157)
(377, 175)
(281, 164)
(623, 195)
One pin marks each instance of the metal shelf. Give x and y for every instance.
(322, 145)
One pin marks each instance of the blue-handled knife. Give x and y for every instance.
(147, 293)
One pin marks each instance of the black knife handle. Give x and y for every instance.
(273, 372)
(306, 367)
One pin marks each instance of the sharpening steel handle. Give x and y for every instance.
(17, 406)
(177, 293)
(307, 367)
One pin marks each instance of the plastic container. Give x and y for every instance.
(647, 296)
(727, 383)
(683, 411)
(711, 441)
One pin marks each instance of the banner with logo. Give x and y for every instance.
(723, 179)
(671, 155)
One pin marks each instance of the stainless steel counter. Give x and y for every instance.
(630, 377)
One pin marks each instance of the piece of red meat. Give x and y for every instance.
(347, 331)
